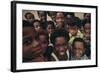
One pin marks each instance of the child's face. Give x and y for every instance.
(31, 47)
(87, 26)
(60, 46)
(29, 18)
(49, 28)
(87, 16)
(43, 42)
(37, 26)
(87, 32)
(73, 30)
(60, 20)
(78, 49)
(53, 15)
(42, 16)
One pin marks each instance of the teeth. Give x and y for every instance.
(62, 53)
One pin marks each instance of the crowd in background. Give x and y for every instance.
(63, 38)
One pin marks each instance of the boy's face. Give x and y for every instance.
(42, 16)
(49, 28)
(43, 42)
(60, 20)
(37, 26)
(31, 47)
(60, 46)
(78, 49)
(73, 30)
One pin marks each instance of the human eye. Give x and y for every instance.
(27, 41)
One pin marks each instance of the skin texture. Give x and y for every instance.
(59, 20)
(73, 30)
(37, 26)
(31, 48)
(78, 49)
(60, 48)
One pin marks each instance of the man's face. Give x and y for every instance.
(60, 20)
(78, 49)
(31, 47)
(60, 45)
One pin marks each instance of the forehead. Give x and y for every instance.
(60, 39)
(27, 31)
(79, 43)
(87, 25)
(60, 14)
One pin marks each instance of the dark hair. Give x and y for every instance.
(36, 21)
(42, 32)
(26, 24)
(72, 22)
(85, 14)
(59, 33)
(78, 40)
(49, 14)
(51, 23)
(27, 14)
(86, 21)
(59, 12)
(69, 13)
(41, 11)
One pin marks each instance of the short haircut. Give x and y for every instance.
(41, 11)
(51, 23)
(29, 13)
(42, 32)
(49, 14)
(36, 21)
(59, 33)
(69, 13)
(26, 24)
(86, 21)
(78, 40)
(85, 14)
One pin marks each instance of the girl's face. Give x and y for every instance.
(31, 47)
(49, 28)
(60, 20)
(43, 42)
(60, 45)
(37, 26)
(73, 30)
(78, 49)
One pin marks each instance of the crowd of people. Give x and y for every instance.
(63, 38)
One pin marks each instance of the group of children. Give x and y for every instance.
(65, 37)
